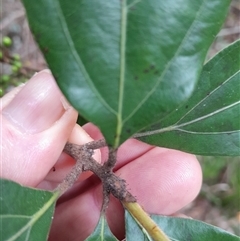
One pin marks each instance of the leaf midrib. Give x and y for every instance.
(35, 217)
(123, 28)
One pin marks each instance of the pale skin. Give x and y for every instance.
(36, 123)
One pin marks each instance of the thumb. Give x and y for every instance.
(36, 122)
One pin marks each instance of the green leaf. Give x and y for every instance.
(178, 229)
(125, 64)
(102, 232)
(25, 213)
(209, 122)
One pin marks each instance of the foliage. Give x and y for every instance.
(136, 61)
(201, 125)
(179, 229)
(138, 74)
(25, 220)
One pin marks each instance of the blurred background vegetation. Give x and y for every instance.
(219, 200)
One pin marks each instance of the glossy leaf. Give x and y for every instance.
(25, 213)
(209, 122)
(178, 229)
(125, 64)
(102, 232)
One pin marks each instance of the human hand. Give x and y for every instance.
(36, 122)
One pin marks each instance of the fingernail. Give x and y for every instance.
(46, 71)
(37, 106)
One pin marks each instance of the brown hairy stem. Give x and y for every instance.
(112, 184)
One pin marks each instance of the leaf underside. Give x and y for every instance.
(178, 229)
(125, 64)
(102, 232)
(209, 122)
(25, 213)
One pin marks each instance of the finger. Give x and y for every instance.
(163, 180)
(7, 98)
(65, 163)
(36, 124)
(96, 134)
(93, 131)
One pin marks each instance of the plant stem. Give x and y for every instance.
(81, 154)
(96, 144)
(111, 183)
(145, 221)
(70, 179)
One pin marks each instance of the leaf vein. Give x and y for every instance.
(208, 115)
(178, 127)
(212, 92)
(207, 133)
(34, 217)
